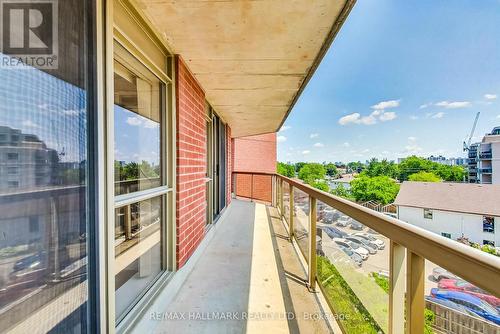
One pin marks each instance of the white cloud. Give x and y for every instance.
(438, 115)
(413, 117)
(285, 127)
(30, 124)
(490, 96)
(373, 118)
(346, 144)
(386, 105)
(388, 116)
(306, 152)
(314, 135)
(453, 105)
(412, 138)
(134, 121)
(148, 124)
(351, 118)
(281, 139)
(319, 145)
(71, 112)
(498, 116)
(425, 105)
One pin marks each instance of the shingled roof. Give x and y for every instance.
(482, 199)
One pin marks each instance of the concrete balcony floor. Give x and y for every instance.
(246, 267)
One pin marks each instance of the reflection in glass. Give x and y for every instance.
(137, 125)
(43, 184)
(137, 251)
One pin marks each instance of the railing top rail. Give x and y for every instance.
(253, 173)
(471, 264)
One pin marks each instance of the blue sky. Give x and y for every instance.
(401, 78)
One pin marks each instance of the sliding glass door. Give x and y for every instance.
(218, 159)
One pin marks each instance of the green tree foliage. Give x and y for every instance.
(331, 169)
(321, 185)
(134, 171)
(424, 177)
(379, 168)
(285, 169)
(414, 164)
(382, 189)
(311, 172)
(355, 167)
(299, 165)
(341, 191)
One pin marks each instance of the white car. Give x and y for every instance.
(350, 245)
(343, 221)
(380, 244)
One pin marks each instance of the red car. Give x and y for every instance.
(464, 286)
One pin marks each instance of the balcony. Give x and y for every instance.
(487, 170)
(485, 155)
(263, 263)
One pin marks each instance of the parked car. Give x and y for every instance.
(331, 233)
(390, 214)
(355, 225)
(472, 303)
(371, 248)
(439, 273)
(343, 221)
(464, 286)
(350, 245)
(339, 231)
(449, 304)
(356, 258)
(380, 244)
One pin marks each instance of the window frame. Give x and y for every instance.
(489, 229)
(428, 213)
(128, 27)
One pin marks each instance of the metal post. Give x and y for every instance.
(312, 243)
(396, 288)
(290, 222)
(415, 301)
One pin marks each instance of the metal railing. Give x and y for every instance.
(410, 246)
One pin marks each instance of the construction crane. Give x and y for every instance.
(467, 144)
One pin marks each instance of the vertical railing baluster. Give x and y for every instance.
(312, 243)
(281, 197)
(396, 288)
(292, 211)
(415, 301)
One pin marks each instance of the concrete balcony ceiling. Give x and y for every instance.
(252, 58)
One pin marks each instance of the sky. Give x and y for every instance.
(401, 78)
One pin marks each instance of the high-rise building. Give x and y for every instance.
(484, 159)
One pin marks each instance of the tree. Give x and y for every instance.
(355, 167)
(321, 185)
(382, 189)
(341, 191)
(384, 167)
(331, 169)
(299, 165)
(414, 164)
(312, 172)
(285, 169)
(424, 177)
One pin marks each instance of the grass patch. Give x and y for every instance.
(351, 313)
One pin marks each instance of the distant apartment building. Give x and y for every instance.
(448, 161)
(484, 159)
(452, 210)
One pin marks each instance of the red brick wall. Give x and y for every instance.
(191, 163)
(255, 153)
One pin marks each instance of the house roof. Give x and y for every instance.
(483, 199)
